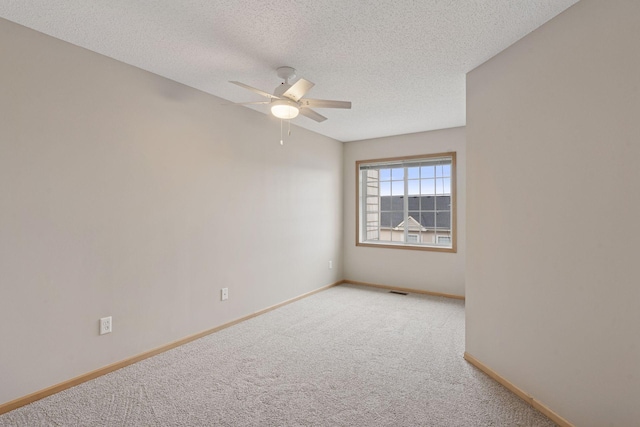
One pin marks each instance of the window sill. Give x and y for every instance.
(389, 245)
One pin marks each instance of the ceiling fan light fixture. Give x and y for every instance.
(285, 109)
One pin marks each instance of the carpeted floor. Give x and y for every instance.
(347, 356)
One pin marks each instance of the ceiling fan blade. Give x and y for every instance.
(258, 91)
(308, 112)
(249, 103)
(298, 89)
(324, 103)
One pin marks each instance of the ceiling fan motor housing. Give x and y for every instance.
(286, 73)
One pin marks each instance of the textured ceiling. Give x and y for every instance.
(402, 63)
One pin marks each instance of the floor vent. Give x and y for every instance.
(398, 292)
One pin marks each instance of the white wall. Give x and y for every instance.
(553, 295)
(125, 194)
(421, 270)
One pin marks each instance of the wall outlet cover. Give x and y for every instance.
(106, 325)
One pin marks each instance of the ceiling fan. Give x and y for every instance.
(287, 99)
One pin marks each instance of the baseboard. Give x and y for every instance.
(395, 288)
(518, 392)
(25, 400)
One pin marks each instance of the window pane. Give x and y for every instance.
(397, 188)
(414, 225)
(385, 219)
(397, 173)
(427, 186)
(413, 172)
(372, 218)
(414, 203)
(446, 170)
(371, 175)
(397, 203)
(396, 218)
(443, 203)
(427, 172)
(427, 237)
(441, 188)
(385, 174)
(385, 203)
(446, 182)
(414, 186)
(372, 204)
(385, 188)
(427, 203)
(444, 240)
(428, 219)
(443, 221)
(373, 234)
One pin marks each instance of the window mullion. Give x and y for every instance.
(405, 206)
(378, 208)
(363, 202)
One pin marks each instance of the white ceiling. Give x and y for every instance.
(402, 63)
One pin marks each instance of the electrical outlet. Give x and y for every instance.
(224, 294)
(330, 265)
(106, 325)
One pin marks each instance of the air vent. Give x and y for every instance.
(398, 292)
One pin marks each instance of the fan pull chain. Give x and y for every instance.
(288, 130)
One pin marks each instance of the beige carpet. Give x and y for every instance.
(348, 356)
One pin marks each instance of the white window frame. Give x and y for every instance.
(367, 193)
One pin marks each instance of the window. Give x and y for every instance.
(413, 238)
(407, 202)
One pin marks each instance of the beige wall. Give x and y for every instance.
(438, 271)
(125, 194)
(553, 154)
